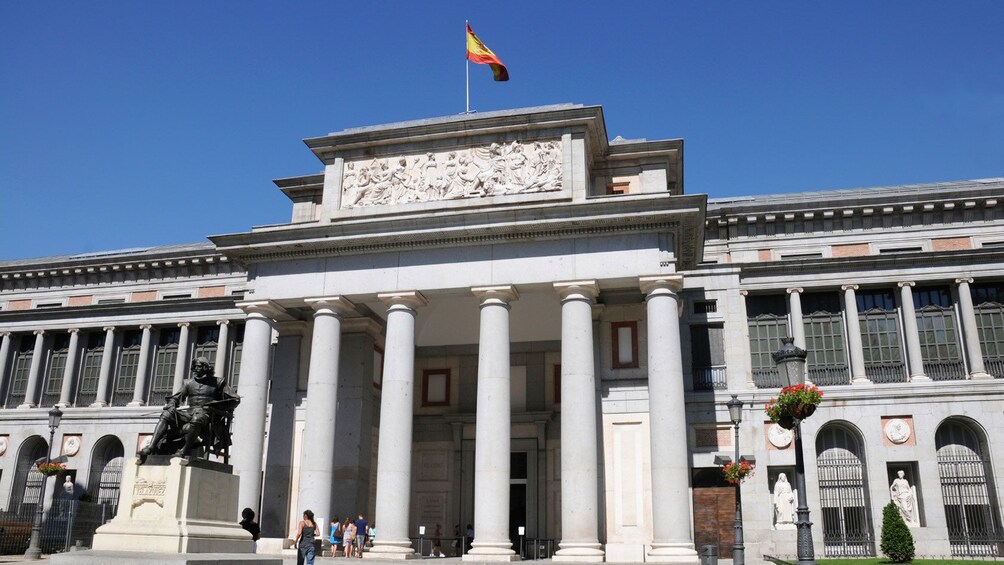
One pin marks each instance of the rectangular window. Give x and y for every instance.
(54, 380)
(767, 322)
(939, 339)
(988, 303)
(235, 358)
(207, 339)
(21, 368)
(707, 354)
(826, 363)
(163, 373)
(377, 366)
(618, 188)
(557, 383)
(880, 337)
(436, 387)
(90, 369)
(125, 382)
(624, 336)
(705, 306)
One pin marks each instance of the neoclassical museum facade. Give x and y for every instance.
(509, 320)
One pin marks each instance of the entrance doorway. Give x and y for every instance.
(517, 497)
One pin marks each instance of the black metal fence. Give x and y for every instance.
(66, 523)
(973, 528)
(847, 528)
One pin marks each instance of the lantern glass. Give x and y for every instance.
(790, 362)
(55, 415)
(735, 410)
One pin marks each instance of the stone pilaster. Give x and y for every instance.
(915, 358)
(222, 349)
(143, 370)
(857, 355)
(184, 350)
(579, 465)
(107, 360)
(6, 339)
(493, 429)
(971, 332)
(672, 540)
(393, 503)
(319, 435)
(35, 371)
(70, 370)
(795, 322)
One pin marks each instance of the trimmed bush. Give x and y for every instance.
(897, 541)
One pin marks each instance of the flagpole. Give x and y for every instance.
(467, 69)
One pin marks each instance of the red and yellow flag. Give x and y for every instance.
(478, 52)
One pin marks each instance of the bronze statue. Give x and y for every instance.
(200, 428)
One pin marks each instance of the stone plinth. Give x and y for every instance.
(149, 558)
(179, 507)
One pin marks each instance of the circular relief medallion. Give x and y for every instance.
(3, 445)
(779, 437)
(897, 430)
(71, 445)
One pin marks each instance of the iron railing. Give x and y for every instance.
(66, 523)
(994, 366)
(886, 373)
(828, 375)
(945, 370)
(847, 530)
(710, 378)
(766, 378)
(973, 524)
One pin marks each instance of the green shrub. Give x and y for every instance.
(897, 541)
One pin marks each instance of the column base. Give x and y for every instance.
(136, 403)
(585, 552)
(25, 406)
(391, 550)
(861, 381)
(490, 557)
(920, 379)
(981, 376)
(98, 404)
(673, 553)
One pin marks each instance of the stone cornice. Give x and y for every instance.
(80, 314)
(681, 215)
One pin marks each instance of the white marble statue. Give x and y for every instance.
(784, 504)
(493, 170)
(905, 498)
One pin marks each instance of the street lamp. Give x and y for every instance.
(790, 362)
(738, 549)
(34, 547)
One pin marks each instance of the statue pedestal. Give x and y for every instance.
(181, 507)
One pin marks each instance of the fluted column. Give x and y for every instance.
(35, 371)
(393, 500)
(319, 436)
(972, 333)
(105, 376)
(222, 348)
(5, 345)
(671, 529)
(579, 491)
(493, 429)
(143, 369)
(914, 355)
(249, 418)
(181, 364)
(857, 353)
(795, 316)
(70, 370)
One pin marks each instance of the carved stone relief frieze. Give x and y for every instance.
(495, 170)
(146, 491)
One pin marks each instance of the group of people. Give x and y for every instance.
(351, 536)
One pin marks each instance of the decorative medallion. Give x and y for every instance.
(3, 445)
(780, 437)
(71, 445)
(897, 430)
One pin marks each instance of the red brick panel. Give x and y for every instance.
(952, 243)
(852, 250)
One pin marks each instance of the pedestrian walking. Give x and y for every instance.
(252, 528)
(306, 531)
(349, 536)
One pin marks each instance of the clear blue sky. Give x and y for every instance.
(126, 124)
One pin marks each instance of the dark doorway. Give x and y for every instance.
(517, 497)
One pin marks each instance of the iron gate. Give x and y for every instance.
(847, 530)
(973, 526)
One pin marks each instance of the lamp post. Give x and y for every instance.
(738, 549)
(790, 361)
(34, 547)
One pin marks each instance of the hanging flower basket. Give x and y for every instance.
(51, 469)
(796, 402)
(736, 473)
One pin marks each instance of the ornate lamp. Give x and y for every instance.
(790, 361)
(34, 547)
(738, 548)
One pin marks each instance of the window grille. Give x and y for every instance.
(707, 353)
(90, 369)
(843, 498)
(235, 358)
(206, 343)
(27, 480)
(705, 306)
(19, 374)
(125, 383)
(826, 363)
(988, 301)
(939, 338)
(768, 323)
(880, 336)
(967, 491)
(106, 473)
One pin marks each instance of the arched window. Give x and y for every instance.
(967, 490)
(27, 486)
(847, 530)
(106, 473)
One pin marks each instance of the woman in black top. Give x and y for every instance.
(251, 526)
(305, 532)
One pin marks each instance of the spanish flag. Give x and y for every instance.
(478, 52)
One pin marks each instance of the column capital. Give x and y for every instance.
(184, 324)
(577, 290)
(411, 299)
(107, 329)
(6, 333)
(222, 322)
(795, 290)
(330, 305)
(849, 287)
(69, 331)
(146, 327)
(744, 292)
(968, 280)
(262, 309)
(906, 283)
(39, 332)
(503, 293)
(661, 284)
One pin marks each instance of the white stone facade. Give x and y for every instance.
(545, 340)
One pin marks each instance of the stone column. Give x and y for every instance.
(493, 429)
(393, 502)
(795, 316)
(579, 490)
(972, 333)
(35, 371)
(5, 345)
(319, 435)
(914, 355)
(181, 364)
(857, 354)
(107, 360)
(143, 369)
(222, 348)
(69, 372)
(249, 431)
(671, 527)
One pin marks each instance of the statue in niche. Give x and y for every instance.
(784, 504)
(201, 427)
(905, 498)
